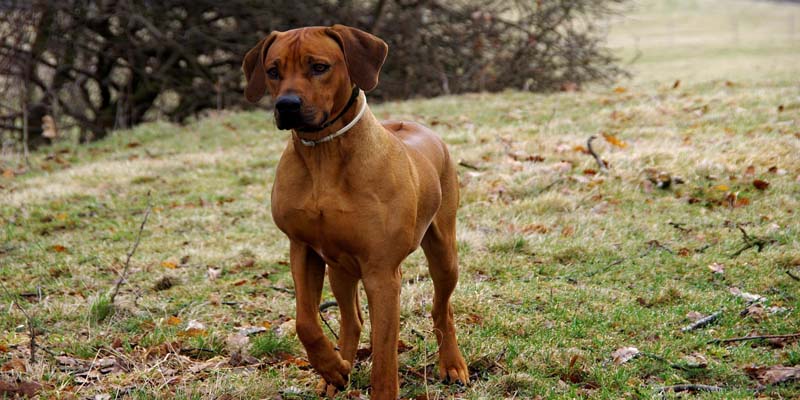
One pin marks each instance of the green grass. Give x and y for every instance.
(560, 264)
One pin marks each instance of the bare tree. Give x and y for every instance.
(105, 64)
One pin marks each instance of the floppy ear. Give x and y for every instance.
(253, 68)
(364, 54)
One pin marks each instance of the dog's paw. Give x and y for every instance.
(324, 389)
(453, 368)
(335, 373)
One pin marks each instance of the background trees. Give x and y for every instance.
(97, 65)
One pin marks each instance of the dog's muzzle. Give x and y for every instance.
(288, 112)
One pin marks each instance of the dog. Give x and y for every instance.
(357, 195)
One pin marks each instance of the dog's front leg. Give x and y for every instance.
(308, 272)
(383, 293)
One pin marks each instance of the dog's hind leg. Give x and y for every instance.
(439, 244)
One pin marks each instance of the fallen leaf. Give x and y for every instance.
(299, 362)
(14, 364)
(614, 140)
(722, 188)
(717, 268)
(773, 375)
(620, 90)
(251, 330)
(747, 296)
(59, 248)
(567, 231)
(192, 332)
(695, 316)
(695, 360)
(474, 319)
(624, 354)
(169, 264)
(8, 173)
(214, 273)
(12, 390)
(760, 184)
(173, 321)
(195, 324)
(676, 84)
(402, 347)
(287, 328)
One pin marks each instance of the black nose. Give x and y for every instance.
(289, 103)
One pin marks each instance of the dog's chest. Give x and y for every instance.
(332, 222)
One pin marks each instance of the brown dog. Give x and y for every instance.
(357, 195)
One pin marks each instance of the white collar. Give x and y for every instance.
(340, 132)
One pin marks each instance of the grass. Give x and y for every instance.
(561, 264)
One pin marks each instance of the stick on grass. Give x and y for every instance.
(600, 162)
(124, 275)
(759, 337)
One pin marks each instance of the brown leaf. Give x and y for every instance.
(14, 364)
(8, 173)
(620, 90)
(363, 353)
(290, 359)
(474, 319)
(169, 264)
(173, 321)
(717, 268)
(614, 140)
(695, 316)
(567, 231)
(760, 185)
(23, 389)
(402, 347)
(774, 374)
(750, 171)
(59, 248)
(534, 228)
(624, 354)
(676, 84)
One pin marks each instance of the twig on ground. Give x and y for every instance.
(690, 388)
(467, 165)
(750, 242)
(28, 319)
(550, 186)
(600, 162)
(759, 337)
(792, 275)
(281, 289)
(702, 322)
(680, 226)
(655, 244)
(124, 274)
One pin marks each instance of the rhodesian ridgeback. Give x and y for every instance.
(357, 195)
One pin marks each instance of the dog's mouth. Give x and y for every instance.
(303, 121)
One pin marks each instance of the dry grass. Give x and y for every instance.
(560, 264)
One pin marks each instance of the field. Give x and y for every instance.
(562, 263)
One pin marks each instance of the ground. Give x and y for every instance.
(562, 263)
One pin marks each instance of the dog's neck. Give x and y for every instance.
(360, 147)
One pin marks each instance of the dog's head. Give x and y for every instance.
(310, 72)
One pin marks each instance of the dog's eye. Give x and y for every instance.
(272, 73)
(319, 68)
